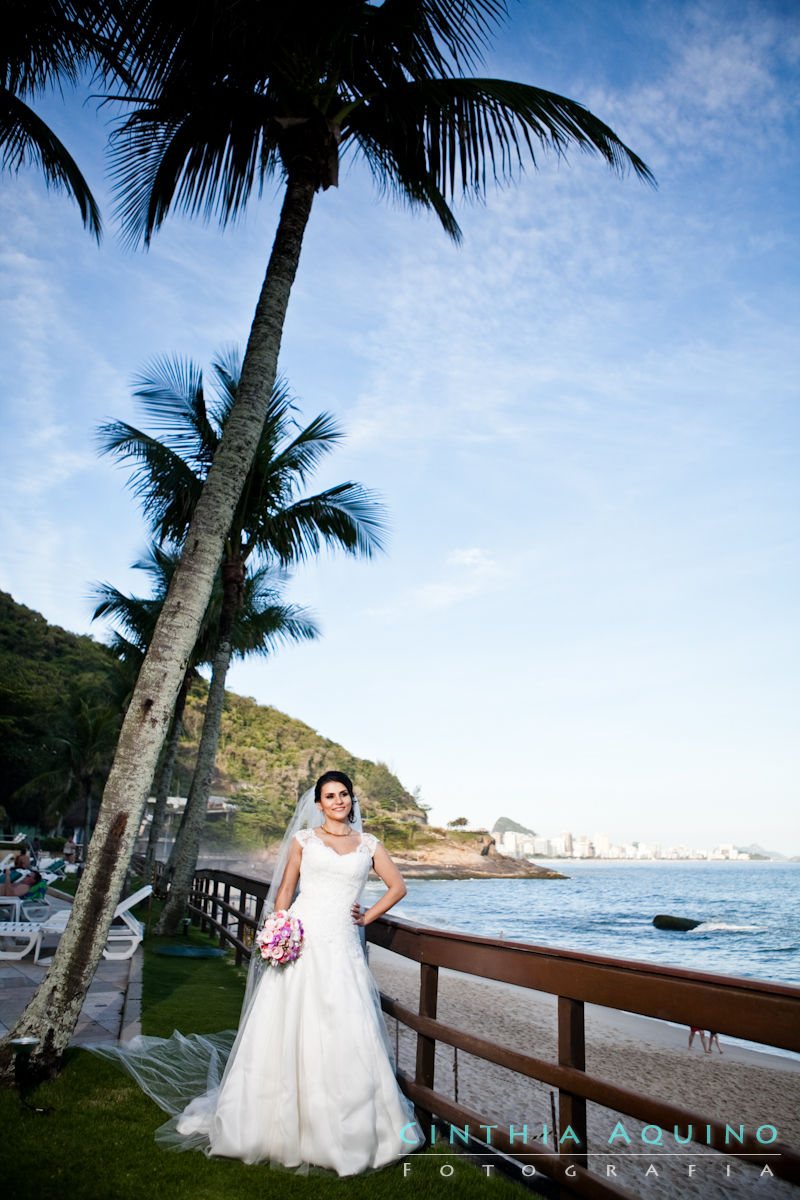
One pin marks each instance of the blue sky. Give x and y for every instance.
(584, 422)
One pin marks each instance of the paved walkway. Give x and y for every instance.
(112, 1007)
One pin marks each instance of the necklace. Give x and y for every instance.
(332, 834)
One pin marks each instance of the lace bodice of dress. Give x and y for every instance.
(330, 878)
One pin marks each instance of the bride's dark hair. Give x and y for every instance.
(336, 777)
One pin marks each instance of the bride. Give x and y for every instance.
(310, 1077)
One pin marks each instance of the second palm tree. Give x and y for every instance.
(273, 523)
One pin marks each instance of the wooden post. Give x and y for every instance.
(426, 1046)
(240, 924)
(226, 896)
(572, 1053)
(205, 887)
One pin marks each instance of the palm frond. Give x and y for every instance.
(136, 616)
(159, 563)
(51, 42)
(263, 584)
(302, 455)
(416, 29)
(348, 516)
(125, 650)
(170, 391)
(202, 162)
(407, 183)
(275, 625)
(227, 367)
(462, 133)
(166, 486)
(24, 137)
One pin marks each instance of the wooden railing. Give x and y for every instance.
(767, 1013)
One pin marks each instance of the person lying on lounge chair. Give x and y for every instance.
(20, 886)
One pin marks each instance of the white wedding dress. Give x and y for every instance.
(310, 1077)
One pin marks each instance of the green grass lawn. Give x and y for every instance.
(97, 1142)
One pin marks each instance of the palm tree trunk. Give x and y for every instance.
(86, 789)
(164, 780)
(183, 860)
(53, 1012)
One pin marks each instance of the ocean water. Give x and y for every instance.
(750, 912)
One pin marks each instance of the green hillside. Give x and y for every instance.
(42, 667)
(265, 759)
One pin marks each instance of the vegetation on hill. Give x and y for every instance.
(42, 670)
(265, 758)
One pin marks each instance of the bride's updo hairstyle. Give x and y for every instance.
(336, 777)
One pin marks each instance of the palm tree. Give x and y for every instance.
(259, 624)
(271, 521)
(137, 617)
(226, 97)
(47, 43)
(259, 627)
(82, 749)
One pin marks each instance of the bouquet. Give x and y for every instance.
(280, 938)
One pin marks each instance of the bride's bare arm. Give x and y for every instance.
(395, 887)
(291, 874)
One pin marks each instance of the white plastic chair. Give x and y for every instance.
(123, 940)
(11, 908)
(12, 933)
(127, 935)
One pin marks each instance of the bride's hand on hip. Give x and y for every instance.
(357, 914)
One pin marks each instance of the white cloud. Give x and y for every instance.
(471, 558)
(465, 575)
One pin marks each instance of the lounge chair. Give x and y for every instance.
(53, 870)
(126, 932)
(18, 938)
(11, 908)
(34, 905)
(124, 936)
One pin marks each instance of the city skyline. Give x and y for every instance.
(600, 846)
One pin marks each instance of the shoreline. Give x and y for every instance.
(421, 871)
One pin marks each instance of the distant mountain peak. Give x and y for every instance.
(506, 825)
(754, 848)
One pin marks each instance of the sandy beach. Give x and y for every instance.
(740, 1086)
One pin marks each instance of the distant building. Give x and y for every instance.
(216, 806)
(602, 845)
(728, 853)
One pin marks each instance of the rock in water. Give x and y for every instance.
(664, 921)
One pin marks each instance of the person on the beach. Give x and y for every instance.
(712, 1039)
(22, 885)
(693, 1029)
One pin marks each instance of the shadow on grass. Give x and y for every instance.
(97, 1143)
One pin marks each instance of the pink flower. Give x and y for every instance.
(280, 939)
